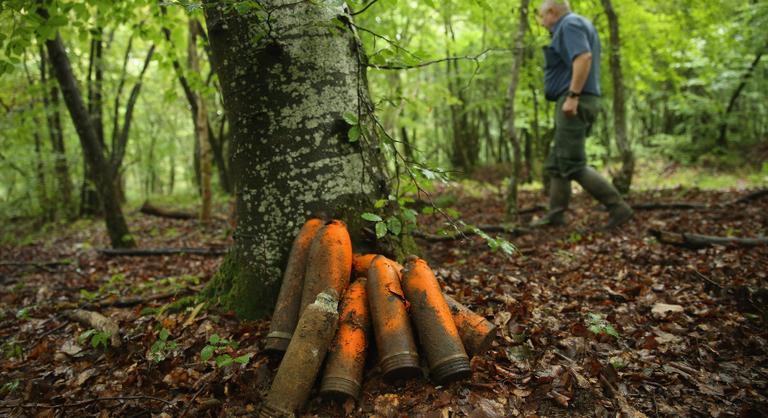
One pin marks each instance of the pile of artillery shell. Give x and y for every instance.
(399, 305)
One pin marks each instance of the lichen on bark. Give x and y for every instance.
(288, 73)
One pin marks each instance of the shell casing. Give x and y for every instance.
(302, 360)
(361, 263)
(477, 333)
(329, 262)
(286, 313)
(343, 373)
(398, 357)
(438, 335)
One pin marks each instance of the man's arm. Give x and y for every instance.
(580, 71)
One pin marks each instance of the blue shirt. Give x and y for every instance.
(572, 36)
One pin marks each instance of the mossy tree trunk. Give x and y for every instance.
(623, 179)
(288, 71)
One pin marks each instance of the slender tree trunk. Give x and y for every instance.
(53, 119)
(509, 117)
(42, 192)
(89, 199)
(201, 128)
(623, 179)
(722, 139)
(464, 150)
(92, 149)
(217, 143)
(284, 97)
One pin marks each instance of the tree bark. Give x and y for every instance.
(509, 118)
(92, 150)
(89, 196)
(284, 97)
(41, 189)
(217, 141)
(623, 179)
(201, 128)
(53, 119)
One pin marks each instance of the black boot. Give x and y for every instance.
(605, 193)
(559, 197)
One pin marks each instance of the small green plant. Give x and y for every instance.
(12, 349)
(97, 338)
(162, 347)
(88, 296)
(597, 324)
(617, 362)
(217, 345)
(23, 313)
(574, 237)
(9, 387)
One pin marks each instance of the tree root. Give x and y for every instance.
(696, 241)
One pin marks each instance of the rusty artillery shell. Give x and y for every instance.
(398, 357)
(432, 318)
(476, 332)
(303, 358)
(329, 263)
(343, 374)
(361, 262)
(286, 312)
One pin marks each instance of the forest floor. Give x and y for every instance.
(590, 324)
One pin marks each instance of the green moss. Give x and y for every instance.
(405, 247)
(235, 287)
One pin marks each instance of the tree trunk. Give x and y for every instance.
(284, 97)
(623, 179)
(92, 149)
(89, 199)
(201, 128)
(722, 139)
(464, 150)
(217, 143)
(53, 119)
(509, 118)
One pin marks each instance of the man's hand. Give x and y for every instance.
(570, 106)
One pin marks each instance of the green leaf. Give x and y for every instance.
(610, 330)
(84, 336)
(214, 339)
(350, 118)
(100, 338)
(394, 225)
(354, 133)
(380, 203)
(244, 359)
(428, 210)
(164, 334)
(207, 352)
(371, 217)
(381, 229)
(224, 360)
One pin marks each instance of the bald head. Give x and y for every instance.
(561, 5)
(551, 11)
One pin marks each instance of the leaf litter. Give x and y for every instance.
(591, 324)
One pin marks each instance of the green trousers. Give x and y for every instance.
(568, 155)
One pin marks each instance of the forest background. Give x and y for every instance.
(694, 91)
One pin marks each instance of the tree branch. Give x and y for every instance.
(119, 151)
(371, 3)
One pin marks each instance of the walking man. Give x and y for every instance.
(572, 80)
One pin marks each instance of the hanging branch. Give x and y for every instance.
(118, 152)
(371, 3)
(721, 140)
